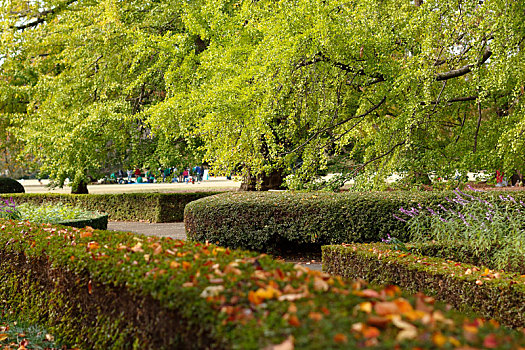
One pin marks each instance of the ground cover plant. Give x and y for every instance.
(493, 293)
(17, 335)
(152, 207)
(101, 289)
(57, 213)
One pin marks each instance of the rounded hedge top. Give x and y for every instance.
(8, 185)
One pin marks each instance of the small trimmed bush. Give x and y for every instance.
(152, 207)
(114, 290)
(494, 294)
(8, 185)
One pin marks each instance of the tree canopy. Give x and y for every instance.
(262, 86)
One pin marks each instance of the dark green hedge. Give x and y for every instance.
(153, 207)
(113, 290)
(8, 185)
(99, 222)
(494, 294)
(273, 221)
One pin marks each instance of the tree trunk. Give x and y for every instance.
(272, 181)
(80, 187)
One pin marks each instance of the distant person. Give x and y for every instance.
(166, 174)
(137, 172)
(139, 179)
(197, 172)
(130, 174)
(185, 175)
(201, 173)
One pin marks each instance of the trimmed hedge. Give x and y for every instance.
(115, 290)
(494, 294)
(276, 221)
(153, 207)
(99, 222)
(8, 185)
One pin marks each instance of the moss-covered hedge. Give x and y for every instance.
(153, 207)
(108, 290)
(273, 221)
(99, 222)
(495, 294)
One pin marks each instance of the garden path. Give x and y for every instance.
(174, 230)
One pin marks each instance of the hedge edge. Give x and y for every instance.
(102, 290)
(494, 294)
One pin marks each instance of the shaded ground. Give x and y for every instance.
(176, 230)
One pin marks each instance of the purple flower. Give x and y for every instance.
(473, 189)
(398, 218)
(432, 212)
(442, 207)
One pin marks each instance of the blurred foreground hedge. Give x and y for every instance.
(112, 290)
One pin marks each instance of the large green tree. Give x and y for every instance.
(286, 85)
(273, 87)
(93, 67)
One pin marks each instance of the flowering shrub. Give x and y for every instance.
(8, 209)
(493, 226)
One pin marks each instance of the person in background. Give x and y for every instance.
(201, 173)
(197, 172)
(185, 175)
(130, 174)
(166, 174)
(137, 172)
(139, 179)
(147, 175)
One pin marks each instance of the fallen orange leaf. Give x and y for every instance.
(340, 338)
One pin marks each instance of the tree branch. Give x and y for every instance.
(42, 16)
(465, 69)
(317, 133)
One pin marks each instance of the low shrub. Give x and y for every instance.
(494, 294)
(102, 290)
(8, 185)
(280, 221)
(152, 207)
(273, 221)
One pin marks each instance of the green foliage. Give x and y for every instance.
(114, 290)
(8, 185)
(152, 207)
(59, 213)
(494, 294)
(488, 225)
(264, 85)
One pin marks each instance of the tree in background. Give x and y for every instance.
(286, 85)
(270, 88)
(90, 73)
